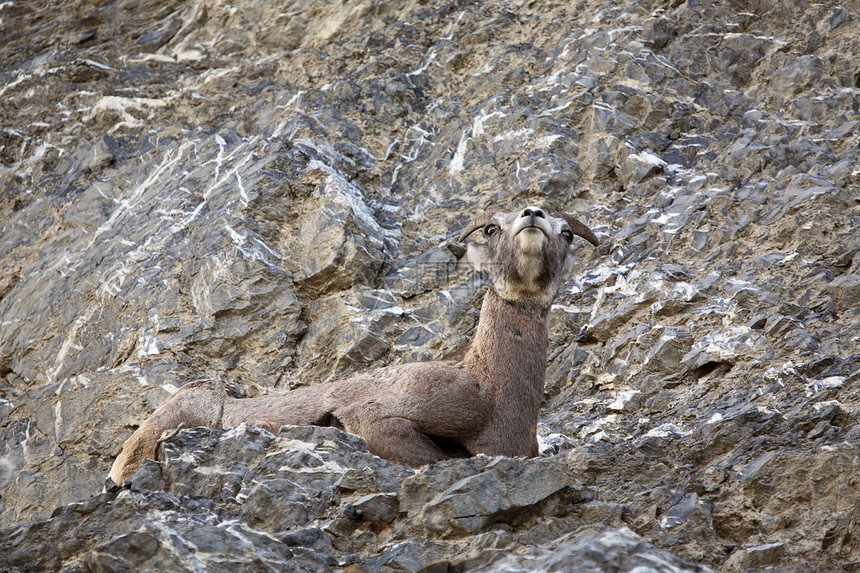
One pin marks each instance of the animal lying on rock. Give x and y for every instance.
(486, 401)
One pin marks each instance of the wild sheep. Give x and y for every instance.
(484, 401)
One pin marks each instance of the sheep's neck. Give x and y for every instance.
(508, 354)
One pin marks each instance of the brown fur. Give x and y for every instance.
(486, 401)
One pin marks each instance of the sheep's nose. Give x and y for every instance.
(533, 212)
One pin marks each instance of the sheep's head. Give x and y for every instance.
(527, 253)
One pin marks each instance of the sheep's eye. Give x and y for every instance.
(490, 229)
(568, 236)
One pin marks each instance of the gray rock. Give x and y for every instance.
(637, 166)
(381, 507)
(345, 246)
(673, 345)
(756, 557)
(612, 550)
(468, 496)
(845, 292)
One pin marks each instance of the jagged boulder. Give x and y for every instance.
(315, 498)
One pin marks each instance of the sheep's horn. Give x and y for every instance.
(579, 228)
(477, 223)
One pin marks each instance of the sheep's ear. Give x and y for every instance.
(478, 256)
(579, 228)
(567, 266)
(476, 224)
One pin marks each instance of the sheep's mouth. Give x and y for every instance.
(532, 225)
(531, 239)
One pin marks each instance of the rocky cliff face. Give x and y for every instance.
(270, 193)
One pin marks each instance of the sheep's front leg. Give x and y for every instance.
(397, 440)
(195, 404)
